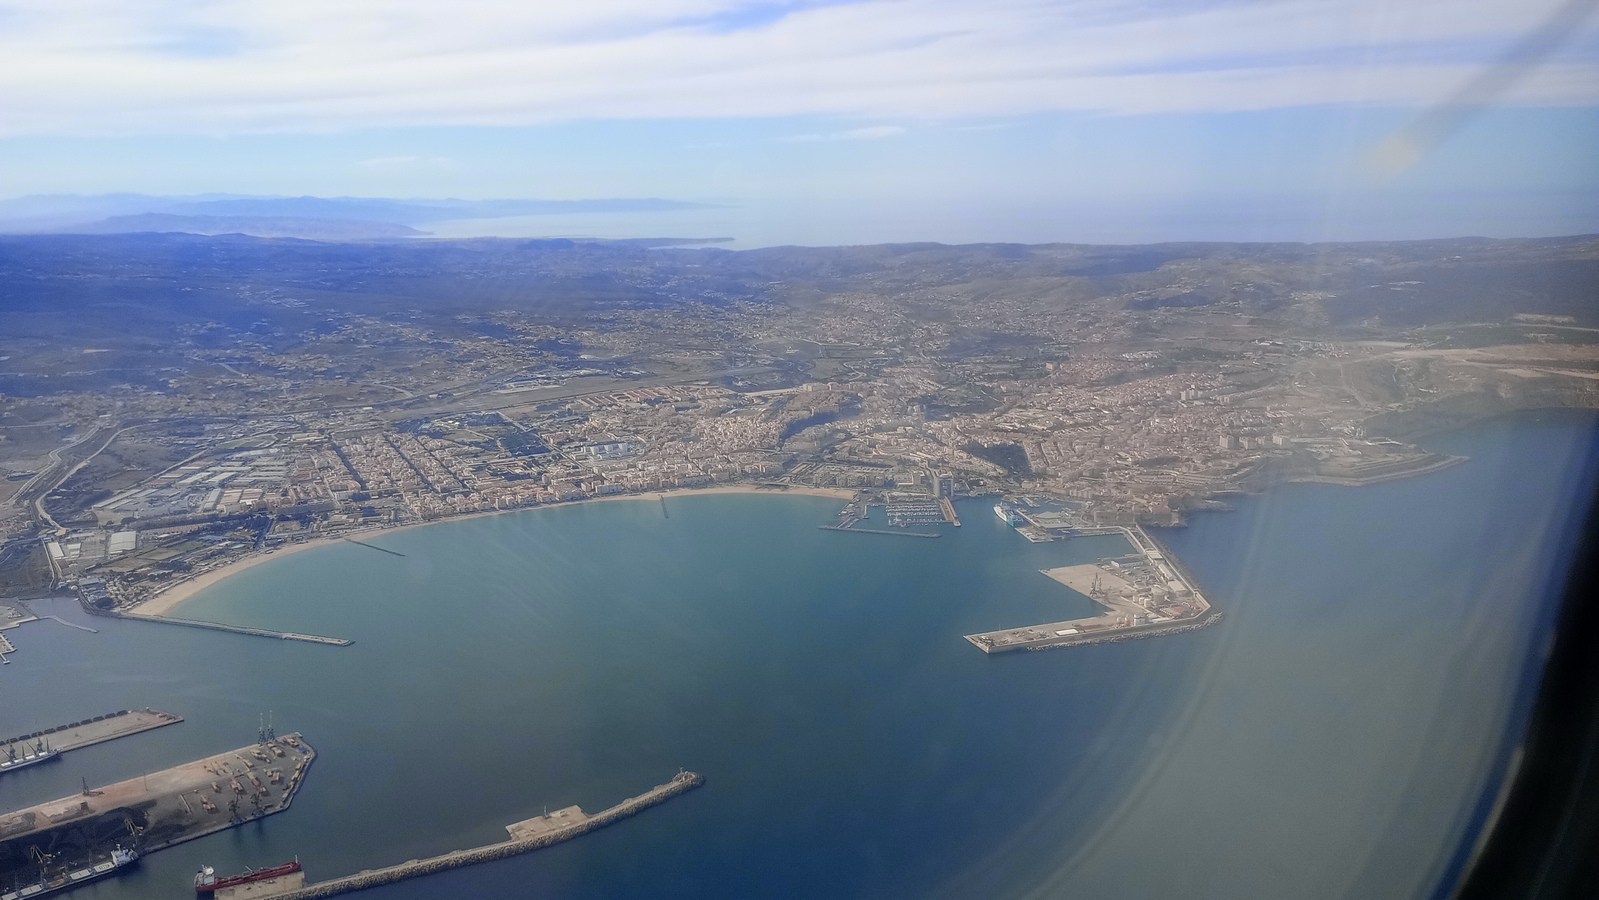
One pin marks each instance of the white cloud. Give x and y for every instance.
(228, 66)
(871, 133)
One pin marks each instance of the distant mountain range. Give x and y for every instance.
(314, 218)
(308, 228)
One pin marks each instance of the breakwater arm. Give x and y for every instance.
(373, 547)
(853, 530)
(580, 824)
(236, 629)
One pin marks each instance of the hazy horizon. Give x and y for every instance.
(911, 120)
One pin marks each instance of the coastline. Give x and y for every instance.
(171, 597)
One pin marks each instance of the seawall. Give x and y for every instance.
(684, 782)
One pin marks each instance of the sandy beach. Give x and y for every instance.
(171, 597)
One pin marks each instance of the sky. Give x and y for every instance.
(1338, 118)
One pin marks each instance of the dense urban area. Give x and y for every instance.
(171, 403)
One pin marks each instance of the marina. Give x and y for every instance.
(902, 510)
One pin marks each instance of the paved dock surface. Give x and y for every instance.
(1164, 600)
(173, 805)
(555, 821)
(96, 730)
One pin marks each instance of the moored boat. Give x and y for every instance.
(38, 754)
(74, 877)
(1007, 514)
(206, 880)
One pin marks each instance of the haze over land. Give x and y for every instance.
(313, 218)
(327, 331)
(305, 387)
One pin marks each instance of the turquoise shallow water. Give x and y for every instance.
(1331, 737)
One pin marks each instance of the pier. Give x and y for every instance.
(163, 808)
(97, 730)
(1143, 594)
(525, 836)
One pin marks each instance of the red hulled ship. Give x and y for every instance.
(206, 881)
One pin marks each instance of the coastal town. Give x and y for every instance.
(319, 416)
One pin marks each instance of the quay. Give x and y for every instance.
(97, 730)
(525, 836)
(160, 809)
(852, 530)
(1143, 594)
(236, 629)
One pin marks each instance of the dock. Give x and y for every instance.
(1143, 594)
(97, 730)
(947, 506)
(525, 836)
(163, 808)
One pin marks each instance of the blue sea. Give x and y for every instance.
(1339, 734)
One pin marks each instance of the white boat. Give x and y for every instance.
(1006, 514)
(39, 754)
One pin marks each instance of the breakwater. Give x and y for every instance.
(1129, 635)
(373, 547)
(846, 528)
(235, 629)
(682, 783)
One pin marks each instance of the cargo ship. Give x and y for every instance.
(206, 880)
(71, 879)
(41, 753)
